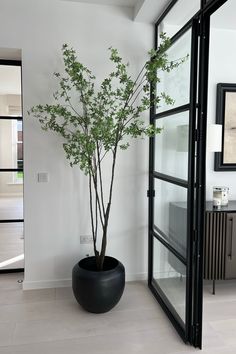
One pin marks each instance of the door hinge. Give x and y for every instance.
(197, 135)
(150, 193)
(199, 29)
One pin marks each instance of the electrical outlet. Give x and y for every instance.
(86, 239)
(43, 177)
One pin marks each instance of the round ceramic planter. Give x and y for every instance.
(98, 291)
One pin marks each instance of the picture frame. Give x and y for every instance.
(226, 116)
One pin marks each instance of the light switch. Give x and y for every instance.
(43, 177)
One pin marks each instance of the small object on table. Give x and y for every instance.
(220, 197)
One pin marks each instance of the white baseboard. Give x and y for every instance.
(64, 283)
(46, 284)
(136, 277)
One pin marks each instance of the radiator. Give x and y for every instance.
(215, 245)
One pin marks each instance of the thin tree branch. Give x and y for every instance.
(92, 216)
(100, 178)
(98, 200)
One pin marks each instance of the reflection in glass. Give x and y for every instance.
(170, 275)
(10, 91)
(11, 143)
(170, 214)
(11, 195)
(176, 83)
(171, 145)
(11, 246)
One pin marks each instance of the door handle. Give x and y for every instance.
(231, 240)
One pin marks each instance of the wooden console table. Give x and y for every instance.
(219, 258)
(220, 243)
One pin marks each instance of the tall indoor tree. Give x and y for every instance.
(102, 121)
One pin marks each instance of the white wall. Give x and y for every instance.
(221, 70)
(56, 213)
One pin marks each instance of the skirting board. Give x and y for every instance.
(64, 283)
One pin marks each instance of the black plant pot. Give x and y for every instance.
(98, 291)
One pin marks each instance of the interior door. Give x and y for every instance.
(11, 168)
(173, 253)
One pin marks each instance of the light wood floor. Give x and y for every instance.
(50, 322)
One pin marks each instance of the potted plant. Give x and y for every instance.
(101, 124)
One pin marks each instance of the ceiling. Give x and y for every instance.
(143, 10)
(128, 3)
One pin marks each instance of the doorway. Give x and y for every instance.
(11, 168)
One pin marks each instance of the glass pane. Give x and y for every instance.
(170, 275)
(10, 90)
(171, 145)
(170, 214)
(11, 195)
(176, 83)
(11, 143)
(179, 15)
(11, 246)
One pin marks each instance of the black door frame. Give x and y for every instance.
(18, 118)
(201, 23)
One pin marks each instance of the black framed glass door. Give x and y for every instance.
(11, 168)
(177, 171)
(173, 270)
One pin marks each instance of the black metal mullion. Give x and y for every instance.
(201, 175)
(211, 6)
(178, 181)
(11, 117)
(182, 31)
(168, 246)
(8, 221)
(173, 111)
(151, 179)
(11, 170)
(10, 62)
(12, 270)
(190, 295)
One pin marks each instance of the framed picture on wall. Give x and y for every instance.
(226, 115)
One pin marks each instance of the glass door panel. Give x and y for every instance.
(176, 83)
(180, 14)
(171, 146)
(11, 246)
(11, 144)
(170, 214)
(10, 90)
(11, 195)
(169, 274)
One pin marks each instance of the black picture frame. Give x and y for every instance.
(222, 90)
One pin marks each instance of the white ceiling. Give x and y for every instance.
(143, 10)
(128, 3)
(10, 80)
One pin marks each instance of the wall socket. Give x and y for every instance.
(86, 239)
(43, 177)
